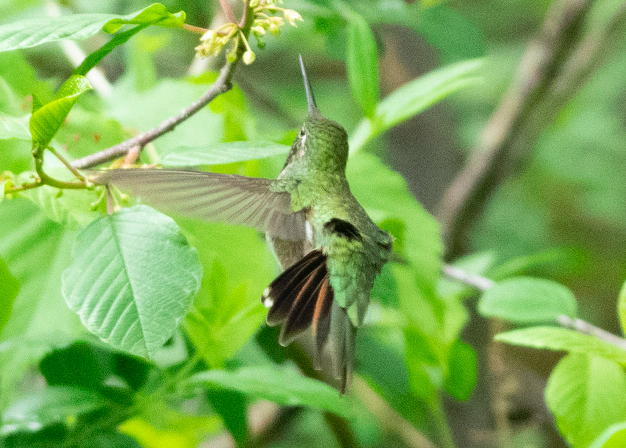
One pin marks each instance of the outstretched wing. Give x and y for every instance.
(215, 197)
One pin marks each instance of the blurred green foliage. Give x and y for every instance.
(561, 215)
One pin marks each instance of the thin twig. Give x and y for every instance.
(483, 284)
(221, 85)
(540, 64)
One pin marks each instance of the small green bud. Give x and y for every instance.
(258, 30)
(231, 57)
(274, 29)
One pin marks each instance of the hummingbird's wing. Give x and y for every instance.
(215, 197)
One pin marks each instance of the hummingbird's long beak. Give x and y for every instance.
(310, 99)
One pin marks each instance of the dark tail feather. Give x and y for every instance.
(342, 338)
(280, 294)
(301, 297)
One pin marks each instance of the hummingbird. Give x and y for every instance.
(330, 250)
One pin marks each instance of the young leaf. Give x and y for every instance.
(32, 32)
(528, 300)
(223, 153)
(554, 338)
(613, 437)
(621, 307)
(277, 384)
(415, 97)
(586, 394)
(8, 292)
(132, 279)
(362, 62)
(46, 121)
(55, 404)
(94, 58)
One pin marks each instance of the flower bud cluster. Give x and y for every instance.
(263, 21)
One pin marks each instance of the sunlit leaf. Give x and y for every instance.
(32, 32)
(528, 300)
(362, 62)
(13, 127)
(55, 404)
(554, 338)
(46, 121)
(462, 371)
(223, 153)
(277, 384)
(414, 97)
(586, 394)
(132, 279)
(237, 268)
(9, 288)
(613, 437)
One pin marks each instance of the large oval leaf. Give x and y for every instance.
(586, 394)
(276, 384)
(132, 279)
(528, 300)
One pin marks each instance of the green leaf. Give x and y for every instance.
(415, 97)
(14, 127)
(277, 384)
(155, 14)
(94, 58)
(227, 310)
(554, 338)
(528, 300)
(132, 279)
(8, 292)
(39, 250)
(223, 153)
(613, 437)
(462, 370)
(55, 404)
(46, 121)
(586, 394)
(362, 62)
(32, 32)
(621, 307)
(385, 195)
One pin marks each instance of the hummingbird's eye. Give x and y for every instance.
(302, 133)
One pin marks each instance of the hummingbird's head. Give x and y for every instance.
(321, 143)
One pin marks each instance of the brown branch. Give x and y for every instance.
(540, 64)
(221, 85)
